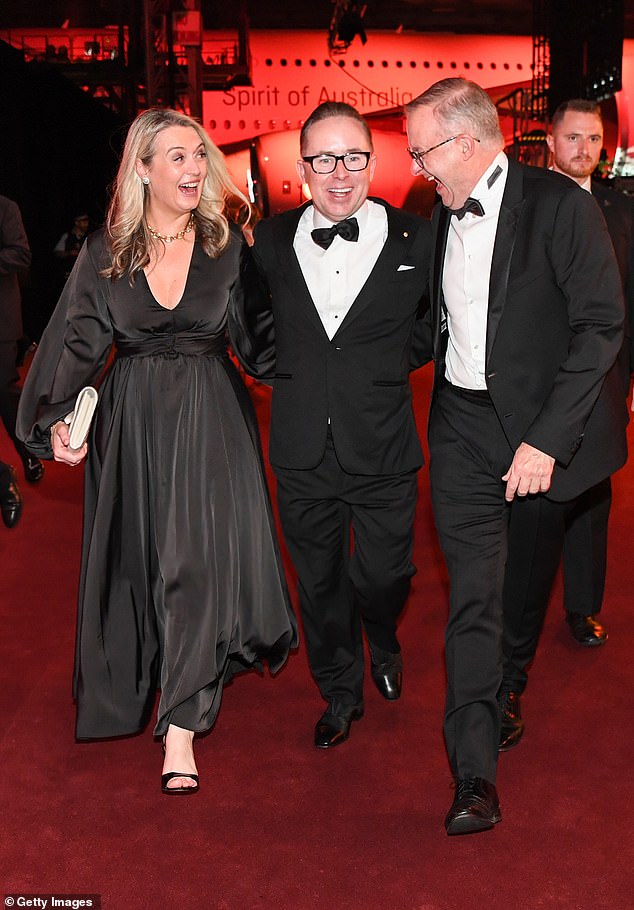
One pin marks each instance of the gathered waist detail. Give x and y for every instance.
(173, 345)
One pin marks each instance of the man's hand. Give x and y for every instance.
(530, 472)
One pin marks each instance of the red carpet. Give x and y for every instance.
(278, 824)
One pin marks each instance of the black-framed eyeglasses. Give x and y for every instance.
(418, 156)
(325, 164)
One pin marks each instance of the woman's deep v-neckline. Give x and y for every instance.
(170, 309)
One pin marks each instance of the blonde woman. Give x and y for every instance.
(181, 583)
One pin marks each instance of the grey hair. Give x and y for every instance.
(463, 107)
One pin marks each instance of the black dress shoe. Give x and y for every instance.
(333, 727)
(11, 500)
(387, 673)
(512, 726)
(33, 468)
(475, 807)
(586, 630)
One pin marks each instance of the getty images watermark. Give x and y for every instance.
(47, 901)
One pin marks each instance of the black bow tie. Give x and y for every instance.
(471, 205)
(348, 229)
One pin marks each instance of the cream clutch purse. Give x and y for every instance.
(80, 418)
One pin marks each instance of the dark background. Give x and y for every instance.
(479, 16)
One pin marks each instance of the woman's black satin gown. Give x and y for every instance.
(181, 581)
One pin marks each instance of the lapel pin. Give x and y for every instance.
(405, 233)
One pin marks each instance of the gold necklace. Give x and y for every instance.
(170, 238)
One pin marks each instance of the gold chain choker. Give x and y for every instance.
(170, 238)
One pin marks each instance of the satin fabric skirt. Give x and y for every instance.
(181, 580)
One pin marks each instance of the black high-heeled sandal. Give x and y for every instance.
(177, 791)
(166, 778)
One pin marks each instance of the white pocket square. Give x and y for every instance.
(404, 268)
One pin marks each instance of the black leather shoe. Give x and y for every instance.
(387, 673)
(11, 501)
(333, 727)
(512, 727)
(475, 807)
(33, 468)
(586, 630)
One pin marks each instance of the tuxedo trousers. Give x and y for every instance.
(469, 455)
(540, 529)
(585, 554)
(5, 478)
(9, 392)
(350, 538)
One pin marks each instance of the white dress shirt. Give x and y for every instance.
(335, 276)
(466, 278)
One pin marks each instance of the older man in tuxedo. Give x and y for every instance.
(535, 543)
(344, 278)
(526, 321)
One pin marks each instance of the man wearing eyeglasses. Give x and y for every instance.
(526, 321)
(345, 278)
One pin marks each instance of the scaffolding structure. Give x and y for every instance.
(159, 57)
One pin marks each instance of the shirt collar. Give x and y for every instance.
(491, 196)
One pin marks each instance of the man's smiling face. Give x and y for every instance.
(339, 194)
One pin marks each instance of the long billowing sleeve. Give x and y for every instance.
(72, 353)
(250, 320)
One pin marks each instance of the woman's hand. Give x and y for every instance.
(62, 451)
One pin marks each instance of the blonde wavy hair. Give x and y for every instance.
(126, 228)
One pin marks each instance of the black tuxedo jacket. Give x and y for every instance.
(554, 328)
(618, 211)
(15, 256)
(359, 379)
